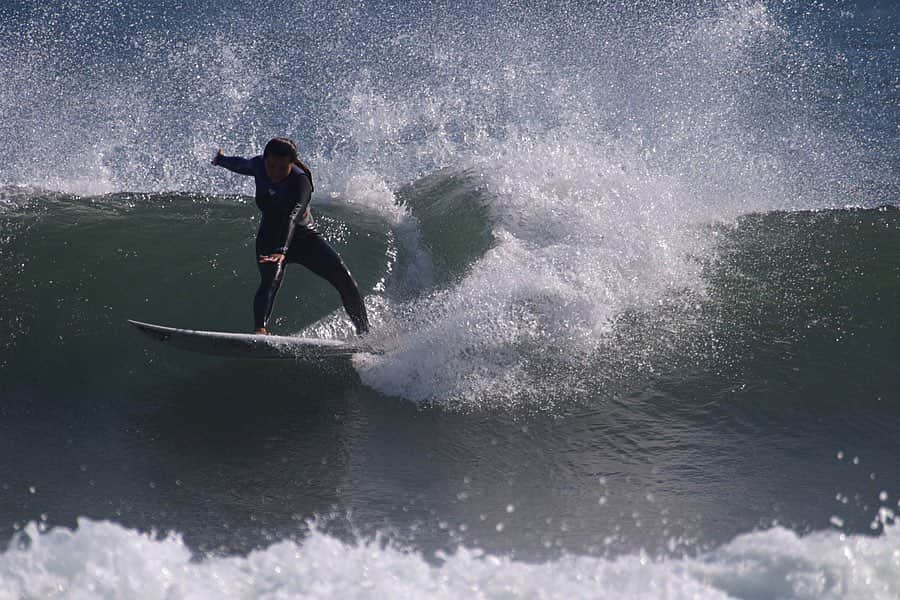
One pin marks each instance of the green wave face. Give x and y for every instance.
(75, 268)
(802, 297)
(803, 304)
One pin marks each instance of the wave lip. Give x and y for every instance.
(101, 559)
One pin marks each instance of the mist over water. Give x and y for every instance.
(629, 317)
(134, 97)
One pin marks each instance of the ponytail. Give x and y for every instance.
(306, 170)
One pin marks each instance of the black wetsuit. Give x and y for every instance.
(287, 228)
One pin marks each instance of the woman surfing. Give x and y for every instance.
(287, 233)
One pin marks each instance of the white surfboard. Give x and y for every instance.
(248, 345)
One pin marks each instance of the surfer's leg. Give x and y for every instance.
(270, 277)
(317, 255)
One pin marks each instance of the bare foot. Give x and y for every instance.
(261, 331)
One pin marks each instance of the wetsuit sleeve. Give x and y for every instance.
(238, 164)
(300, 193)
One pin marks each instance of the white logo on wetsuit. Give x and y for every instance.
(272, 192)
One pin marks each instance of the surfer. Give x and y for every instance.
(287, 233)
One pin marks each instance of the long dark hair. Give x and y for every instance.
(286, 147)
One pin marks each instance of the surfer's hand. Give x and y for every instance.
(275, 258)
(218, 155)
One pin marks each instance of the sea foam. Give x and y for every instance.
(101, 559)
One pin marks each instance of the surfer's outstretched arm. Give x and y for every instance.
(238, 164)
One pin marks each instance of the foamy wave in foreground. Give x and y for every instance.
(106, 560)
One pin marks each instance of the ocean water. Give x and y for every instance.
(635, 269)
